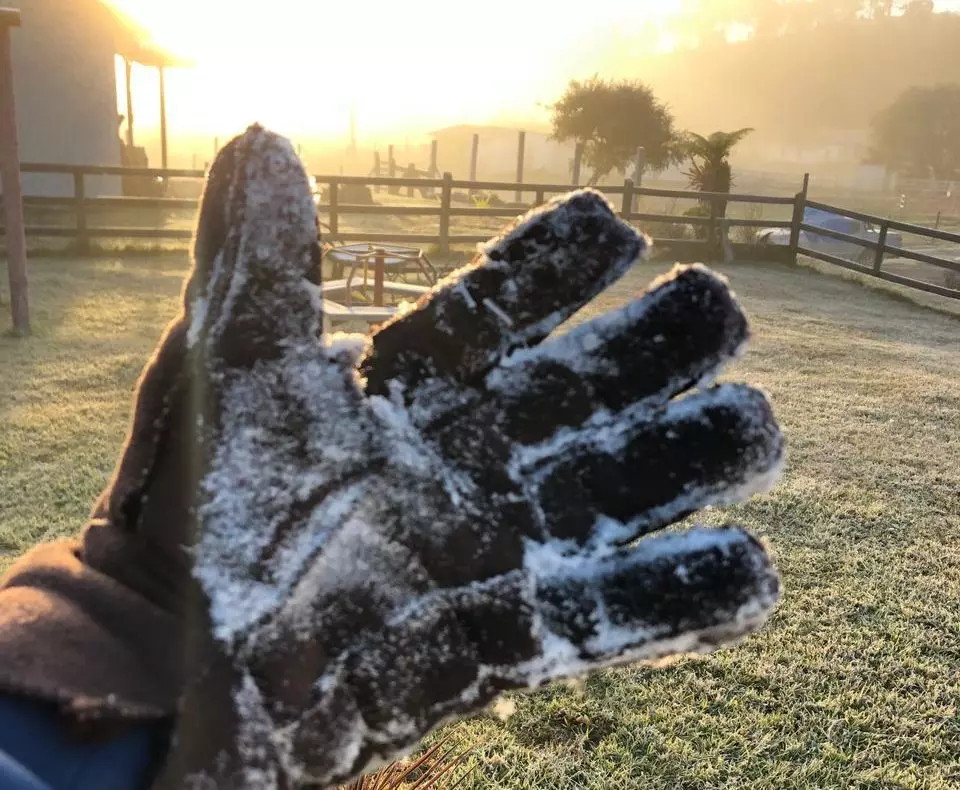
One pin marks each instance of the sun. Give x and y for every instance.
(401, 67)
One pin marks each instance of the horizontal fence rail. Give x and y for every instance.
(331, 186)
(710, 228)
(880, 249)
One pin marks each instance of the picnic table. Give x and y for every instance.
(375, 271)
(399, 260)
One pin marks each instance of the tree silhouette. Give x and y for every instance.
(614, 119)
(919, 134)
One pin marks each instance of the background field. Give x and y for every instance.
(854, 683)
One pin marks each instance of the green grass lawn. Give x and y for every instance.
(856, 680)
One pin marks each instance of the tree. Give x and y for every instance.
(919, 9)
(709, 157)
(612, 120)
(919, 134)
(701, 21)
(710, 169)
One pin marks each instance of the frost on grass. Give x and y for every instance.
(384, 548)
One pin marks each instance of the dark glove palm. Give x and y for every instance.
(389, 535)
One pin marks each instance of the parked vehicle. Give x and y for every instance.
(837, 222)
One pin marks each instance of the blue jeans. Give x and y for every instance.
(37, 752)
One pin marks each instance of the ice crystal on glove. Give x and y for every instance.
(386, 542)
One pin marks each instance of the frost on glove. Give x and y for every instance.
(391, 531)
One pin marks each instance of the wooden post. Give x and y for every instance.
(80, 207)
(128, 73)
(521, 150)
(713, 240)
(379, 263)
(163, 117)
(10, 178)
(626, 207)
(639, 164)
(377, 170)
(799, 207)
(334, 222)
(540, 197)
(434, 168)
(391, 170)
(882, 242)
(474, 156)
(446, 191)
(577, 159)
(411, 168)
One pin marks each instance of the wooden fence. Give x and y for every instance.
(712, 233)
(83, 233)
(881, 250)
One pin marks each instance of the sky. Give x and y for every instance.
(405, 67)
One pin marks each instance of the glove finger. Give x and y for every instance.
(680, 593)
(248, 297)
(453, 652)
(643, 470)
(161, 383)
(680, 333)
(520, 288)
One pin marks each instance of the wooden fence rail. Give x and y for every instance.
(446, 209)
(82, 206)
(881, 249)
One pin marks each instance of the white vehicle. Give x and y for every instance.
(837, 222)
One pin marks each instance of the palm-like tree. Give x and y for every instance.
(710, 159)
(710, 169)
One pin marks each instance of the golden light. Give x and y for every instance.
(405, 67)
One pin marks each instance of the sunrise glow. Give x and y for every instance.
(404, 67)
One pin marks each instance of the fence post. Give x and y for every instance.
(334, 208)
(434, 169)
(521, 146)
(80, 207)
(392, 171)
(799, 206)
(474, 156)
(882, 244)
(713, 238)
(378, 266)
(577, 158)
(639, 165)
(626, 207)
(446, 192)
(540, 198)
(10, 173)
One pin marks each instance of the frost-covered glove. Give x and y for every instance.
(390, 533)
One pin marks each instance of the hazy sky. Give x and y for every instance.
(405, 65)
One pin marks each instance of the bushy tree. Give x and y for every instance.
(919, 134)
(613, 119)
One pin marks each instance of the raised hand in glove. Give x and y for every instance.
(391, 532)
